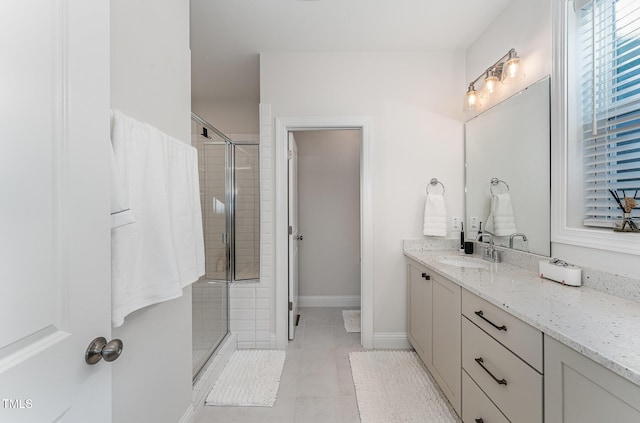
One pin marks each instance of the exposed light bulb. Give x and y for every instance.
(511, 67)
(511, 70)
(471, 99)
(491, 82)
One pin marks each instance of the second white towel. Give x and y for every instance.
(501, 221)
(435, 215)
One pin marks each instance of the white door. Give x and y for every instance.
(294, 237)
(54, 209)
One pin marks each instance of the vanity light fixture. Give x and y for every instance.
(505, 70)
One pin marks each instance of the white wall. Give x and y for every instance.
(526, 25)
(329, 212)
(230, 117)
(414, 100)
(150, 81)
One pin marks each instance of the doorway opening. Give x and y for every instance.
(325, 219)
(359, 126)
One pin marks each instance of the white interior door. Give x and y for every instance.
(54, 212)
(294, 236)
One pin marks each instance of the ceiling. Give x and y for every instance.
(228, 35)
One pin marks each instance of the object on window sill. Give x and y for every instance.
(626, 224)
(627, 204)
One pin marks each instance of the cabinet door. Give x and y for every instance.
(446, 338)
(579, 390)
(419, 311)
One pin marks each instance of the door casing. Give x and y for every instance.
(283, 126)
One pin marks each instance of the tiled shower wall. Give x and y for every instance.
(249, 314)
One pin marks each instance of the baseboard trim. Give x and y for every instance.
(329, 301)
(391, 341)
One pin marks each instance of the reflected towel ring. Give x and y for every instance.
(495, 182)
(434, 182)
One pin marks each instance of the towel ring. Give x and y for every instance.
(434, 182)
(495, 182)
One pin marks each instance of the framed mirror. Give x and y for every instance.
(510, 144)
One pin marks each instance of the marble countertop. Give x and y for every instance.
(600, 326)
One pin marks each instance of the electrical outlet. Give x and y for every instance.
(473, 224)
(456, 223)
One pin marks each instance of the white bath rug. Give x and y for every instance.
(251, 379)
(394, 386)
(351, 320)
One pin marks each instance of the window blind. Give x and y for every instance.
(608, 43)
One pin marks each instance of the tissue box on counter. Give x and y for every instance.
(560, 271)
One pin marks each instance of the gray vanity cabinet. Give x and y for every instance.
(419, 300)
(434, 327)
(579, 390)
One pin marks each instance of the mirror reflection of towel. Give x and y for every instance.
(501, 221)
(435, 216)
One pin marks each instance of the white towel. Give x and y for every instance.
(501, 221)
(163, 251)
(435, 215)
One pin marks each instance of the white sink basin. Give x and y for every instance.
(461, 261)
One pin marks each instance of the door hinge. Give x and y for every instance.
(290, 230)
(290, 306)
(290, 154)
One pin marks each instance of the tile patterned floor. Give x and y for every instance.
(316, 383)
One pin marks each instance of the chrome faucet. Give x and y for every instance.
(524, 238)
(490, 253)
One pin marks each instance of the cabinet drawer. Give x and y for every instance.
(514, 386)
(477, 407)
(521, 338)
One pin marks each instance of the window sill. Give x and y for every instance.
(599, 239)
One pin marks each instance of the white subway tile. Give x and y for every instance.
(262, 336)
(247, 336)
(262, 304)
(242, 304)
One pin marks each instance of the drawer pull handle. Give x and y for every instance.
(427, 277)
(479, 360)
(479, 421)
(481, 315)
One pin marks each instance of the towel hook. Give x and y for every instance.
(434, 182)
(495, 182)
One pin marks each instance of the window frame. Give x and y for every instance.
(566, 164)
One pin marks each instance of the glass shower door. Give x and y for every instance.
(211, 292)
(246, 213)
